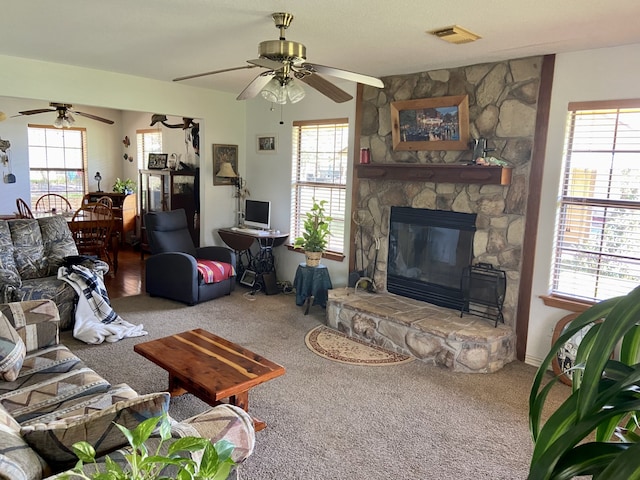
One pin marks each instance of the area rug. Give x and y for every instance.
(336, 346)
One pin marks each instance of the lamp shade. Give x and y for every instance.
(226, 171)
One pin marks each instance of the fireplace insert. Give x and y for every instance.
(428, 252)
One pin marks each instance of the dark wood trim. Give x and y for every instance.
(569, 304)
(329, 255)
(355, 181)
(438, 173)
(533, 205)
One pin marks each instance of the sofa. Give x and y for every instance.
(31, 251)
(50, 400)
(179, 270)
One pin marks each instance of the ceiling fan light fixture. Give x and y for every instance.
(294, 91)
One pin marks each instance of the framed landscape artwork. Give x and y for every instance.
(267, 143)
(224, 154)
(440, 123)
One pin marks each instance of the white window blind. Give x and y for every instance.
(149, 141)
(597, 253)
(57, 162)
(320, 159)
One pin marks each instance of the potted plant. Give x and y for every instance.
(595, 431)
(124, 186)
(141, 464)
(315, 234)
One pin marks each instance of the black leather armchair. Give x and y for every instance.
(171, 270)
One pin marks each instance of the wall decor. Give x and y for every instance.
(267, 143)
(224, 154)
(440, 123)
(157, 161)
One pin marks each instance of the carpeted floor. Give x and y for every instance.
(329, 420)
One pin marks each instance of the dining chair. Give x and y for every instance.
(23, 209)
(92, 227)
(53, 203)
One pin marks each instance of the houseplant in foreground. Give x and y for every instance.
(215, 463)
(595, 431)
(315, 234)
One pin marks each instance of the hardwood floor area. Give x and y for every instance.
(129, 279)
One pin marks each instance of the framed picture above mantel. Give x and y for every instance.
(440, 123)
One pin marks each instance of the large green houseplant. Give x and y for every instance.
(595, 430)
(215, 462)
(315, 234)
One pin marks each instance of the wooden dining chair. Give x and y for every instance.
(92, 227)
(53, 203)
(23, 209)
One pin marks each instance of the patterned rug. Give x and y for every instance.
(336, 346)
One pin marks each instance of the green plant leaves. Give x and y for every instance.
(604, 402)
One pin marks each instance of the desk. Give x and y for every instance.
(262, 261)
(312, 282)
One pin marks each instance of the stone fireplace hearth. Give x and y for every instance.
(433, 334)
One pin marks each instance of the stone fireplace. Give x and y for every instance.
(503, 100)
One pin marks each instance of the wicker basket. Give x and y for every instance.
(313, 258)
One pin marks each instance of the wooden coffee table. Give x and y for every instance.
(210, 367)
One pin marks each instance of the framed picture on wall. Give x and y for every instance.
(225, 164)
(267, 143)
(439, 123)
(157, 161)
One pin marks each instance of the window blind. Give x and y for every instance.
(597, 251)
(149, 141)
(320, 159)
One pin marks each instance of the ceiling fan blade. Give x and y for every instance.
(93, 117)
(187, 77)
(346, 74)
(33, 112)
(255, 86)
(326, 88)
(266, 63)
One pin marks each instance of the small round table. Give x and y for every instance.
(312, 282)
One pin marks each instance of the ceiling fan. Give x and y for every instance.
(65, 117)
(285, 62)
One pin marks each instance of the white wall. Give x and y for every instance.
(222, 117)
(269, 175)
(602, 74)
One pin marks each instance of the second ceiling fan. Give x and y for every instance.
(285, 62)
(65, 117)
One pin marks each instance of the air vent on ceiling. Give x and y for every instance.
(455, 34)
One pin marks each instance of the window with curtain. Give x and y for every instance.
(57, 162)
(148, 141)
(319, 171)
(597, 250)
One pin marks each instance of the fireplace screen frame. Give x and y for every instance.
(416, 287)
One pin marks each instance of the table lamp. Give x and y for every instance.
(226, 171)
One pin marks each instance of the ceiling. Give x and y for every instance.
(165, 39)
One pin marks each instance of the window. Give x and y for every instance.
(149, 141)
(597, 251)
(320, 159)
(57, 162)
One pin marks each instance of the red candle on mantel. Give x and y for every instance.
(365, 156)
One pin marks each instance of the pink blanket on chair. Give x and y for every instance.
(213, 271)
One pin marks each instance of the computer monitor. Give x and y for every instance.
(257, 214)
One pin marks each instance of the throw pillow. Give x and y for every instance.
(53, 440)
(12, 351)
(17, 460)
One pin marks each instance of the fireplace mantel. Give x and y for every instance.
(437, 173)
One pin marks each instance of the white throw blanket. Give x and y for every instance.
(96, 321)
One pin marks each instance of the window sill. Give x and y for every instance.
(566, 303)
(336, 256)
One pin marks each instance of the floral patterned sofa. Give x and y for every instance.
(50, 400)
(31, 251)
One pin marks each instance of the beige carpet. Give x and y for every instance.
(336, 346)
(330, 420)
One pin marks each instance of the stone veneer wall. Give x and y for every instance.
(502, 108)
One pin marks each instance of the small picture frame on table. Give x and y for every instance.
(157, 161)
(267, 143)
